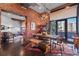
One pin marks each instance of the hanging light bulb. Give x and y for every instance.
(67, 7)
(44, 16)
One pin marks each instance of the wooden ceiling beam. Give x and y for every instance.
(16, 8)
(62, 7)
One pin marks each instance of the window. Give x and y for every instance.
(66, 27)
(33, 25)
(71, 28)
(53, 27)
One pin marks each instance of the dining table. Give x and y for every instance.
(35, 41)
(46, 36)
(49, 37)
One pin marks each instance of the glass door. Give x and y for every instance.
(71, 28)
(53, 27)
(61, 28)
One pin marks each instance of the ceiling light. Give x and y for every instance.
(39, 7)
(23, 7)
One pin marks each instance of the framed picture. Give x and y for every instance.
(33, 25)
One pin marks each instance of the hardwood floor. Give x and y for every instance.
(11, 49)
(15, 50)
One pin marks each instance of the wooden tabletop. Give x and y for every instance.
(36, 41)
(46, 36)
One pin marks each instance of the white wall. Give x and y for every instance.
(6, 19)
(64, 13)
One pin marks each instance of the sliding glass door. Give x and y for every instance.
(61, 28)
(71, 28)
(66, 28)
(53, 27)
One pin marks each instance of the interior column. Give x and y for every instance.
(0, 28)
(78, 19)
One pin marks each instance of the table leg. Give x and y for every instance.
(50, 46)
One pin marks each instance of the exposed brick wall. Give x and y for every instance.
(30, 14)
